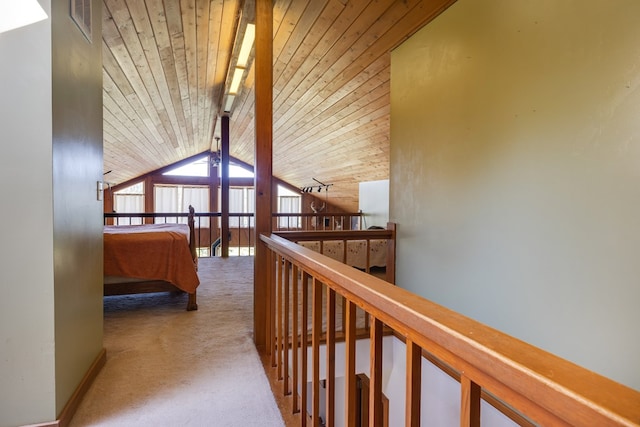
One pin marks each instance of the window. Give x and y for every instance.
(81, 15)
(177, 198)
(241, 200)
(198, 167)
(289, 203)
(129, 200)
(237, 171)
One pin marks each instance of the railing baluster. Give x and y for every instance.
(304, 340)
(271, 303)
(343, 317)
(350, 385)
(375, 391)
(470, 402)
(279, 317)
(414, 384)
(285, 344)
(316, 331)
(331, 358)
(295, 342)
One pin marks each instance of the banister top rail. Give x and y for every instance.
(159, 214)
(312, 235)
(281, 214)
(540, 385)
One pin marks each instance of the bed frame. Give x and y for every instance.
(140, 286)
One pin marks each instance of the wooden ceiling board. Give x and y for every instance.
(166, 66)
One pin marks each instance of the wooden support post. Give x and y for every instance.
(224, 187)
(263, 160)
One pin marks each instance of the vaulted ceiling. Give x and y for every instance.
(166, 72)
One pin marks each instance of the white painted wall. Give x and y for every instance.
(440, 403)
(373, 201)
(515, 146)
(441, 393)
(27, 365)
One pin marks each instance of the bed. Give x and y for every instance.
(151, 258)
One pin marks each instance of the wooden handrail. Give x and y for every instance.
(543, 387)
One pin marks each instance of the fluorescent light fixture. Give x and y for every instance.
(247, 43)
(235, 82)
(229, 103)
(18, 13)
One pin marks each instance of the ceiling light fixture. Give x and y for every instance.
(236, 80)
(311, 188)
(15, 14)
(247, 44)
(240, 68)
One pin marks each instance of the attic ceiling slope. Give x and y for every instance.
(165, 70)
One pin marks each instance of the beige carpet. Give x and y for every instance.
(169, 367)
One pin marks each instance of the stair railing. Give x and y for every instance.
(304, 287)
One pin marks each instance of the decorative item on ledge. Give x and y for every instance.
(319, 186)
(216, 156)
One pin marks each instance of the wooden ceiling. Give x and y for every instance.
(165, 75)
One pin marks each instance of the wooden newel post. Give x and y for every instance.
(263, 163)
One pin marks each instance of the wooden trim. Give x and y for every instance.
(69, 410)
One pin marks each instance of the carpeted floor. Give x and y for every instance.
(169, 367)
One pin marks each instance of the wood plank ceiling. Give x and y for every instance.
(165, 73)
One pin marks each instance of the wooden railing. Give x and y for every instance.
(365, 238)
(241, 226)
(317, 221)
(303, 289)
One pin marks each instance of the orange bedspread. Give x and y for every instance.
(156, 255)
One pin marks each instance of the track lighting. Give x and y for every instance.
(311, 188)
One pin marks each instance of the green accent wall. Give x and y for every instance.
(77, 212)
(515, 172)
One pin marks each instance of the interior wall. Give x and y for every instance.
(515, 146)
(77, 212)
(373, 202)
(27, 371)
